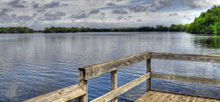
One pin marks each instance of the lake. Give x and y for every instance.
(35, 64)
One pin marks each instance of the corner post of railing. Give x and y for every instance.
(114, 83)
(83, 85)
(148, 64)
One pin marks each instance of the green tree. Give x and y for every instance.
(207, 23)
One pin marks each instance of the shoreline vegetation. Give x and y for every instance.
(172, 28)
(207, 23)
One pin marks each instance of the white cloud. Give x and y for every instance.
(91, 13)
(200, 3)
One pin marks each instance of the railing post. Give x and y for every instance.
(84, 86)
(148, 82)
(114, 83)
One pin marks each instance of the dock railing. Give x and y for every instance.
(80, 92)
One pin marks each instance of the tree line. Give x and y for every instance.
(173, 27)
(16, 30)
(207, 23)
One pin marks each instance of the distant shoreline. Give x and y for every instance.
(158, 28)
(84, 32)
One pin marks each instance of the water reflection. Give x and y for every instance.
(31, 65)
(208, 41)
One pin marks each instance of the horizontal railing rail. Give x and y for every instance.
(102, 68)
(80, 92)
(118, 91)
(193, 79)
(61, 95)
(186, 57)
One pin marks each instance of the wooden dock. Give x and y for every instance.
(155, 96)
(80, 92)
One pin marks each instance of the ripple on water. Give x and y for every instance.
(31, 65)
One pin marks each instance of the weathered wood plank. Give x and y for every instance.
(61, 95)
(182, 98)
(115, 93)
(84, 86)
(148, 82)
(148, 95)
(186, 78)
(190, 99)
(155, 96)
(114, 83)
(186, 57)
(169, 98)
(102, 68)
(161, 97)
(194, 100)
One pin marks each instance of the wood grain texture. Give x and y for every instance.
(186, 57)
(84, 86)
(61, 95)
(114, 83)
(148, 82)
(102, 68)
(154, 96)
(186, 78)
(115, 93)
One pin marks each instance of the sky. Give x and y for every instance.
(38, 14)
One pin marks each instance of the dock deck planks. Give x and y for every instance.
(155, 96)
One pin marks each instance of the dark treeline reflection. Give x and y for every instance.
(209, 42)
(173, 27)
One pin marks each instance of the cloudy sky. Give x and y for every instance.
(39, 14)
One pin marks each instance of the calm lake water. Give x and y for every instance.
(34, 64)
